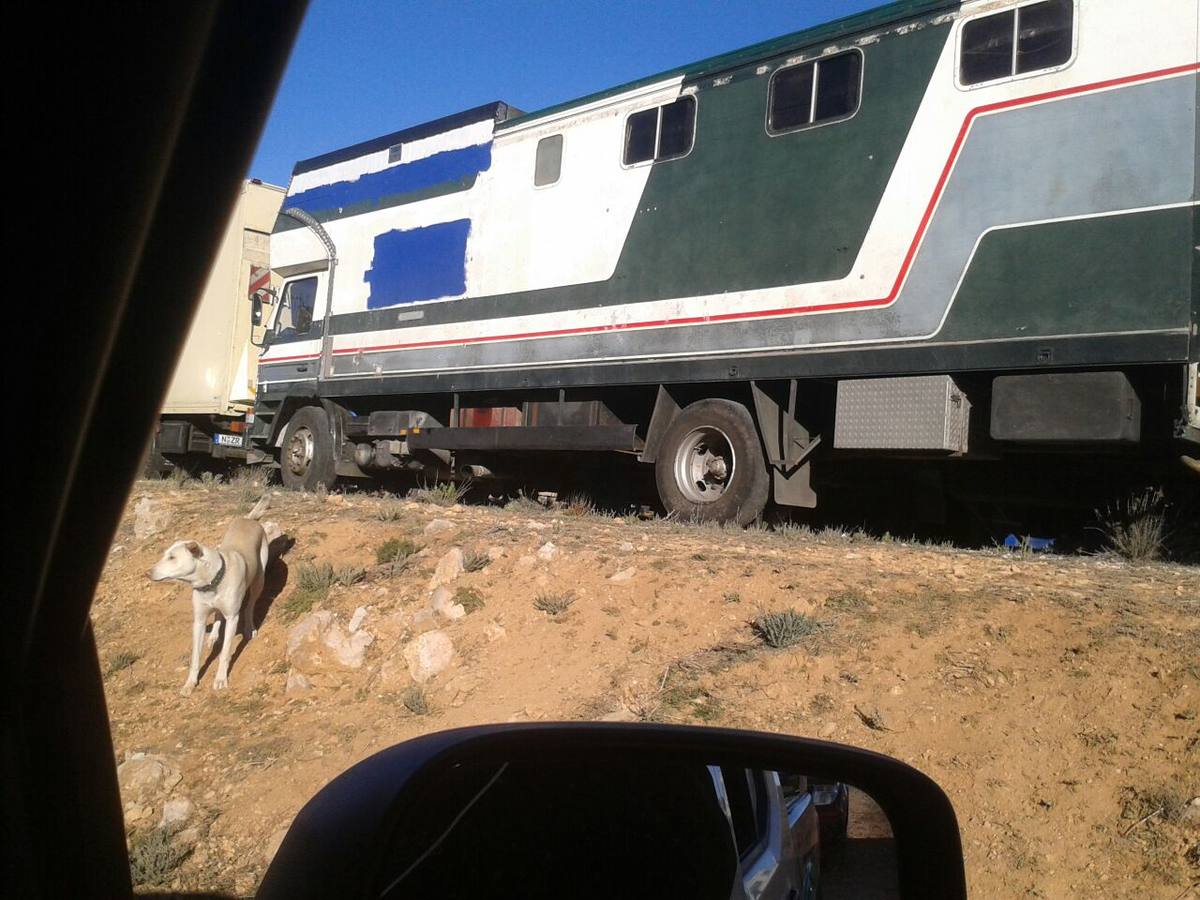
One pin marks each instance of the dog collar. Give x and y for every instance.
(212, 585)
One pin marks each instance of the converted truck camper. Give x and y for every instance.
(962, 232)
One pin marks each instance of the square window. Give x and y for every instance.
(1044, 33)
(987, 49)
(548, 165)
(394, 153)
(791, 98)
(676, 128)
(838, 81)
(641, 131)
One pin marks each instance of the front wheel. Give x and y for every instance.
(710, 467)
(306, 458)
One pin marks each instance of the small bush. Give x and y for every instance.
(153, 856)
(554, 604)
(474, 562)
(250, 481)
(179, 477)
(579, 505)
(732, 597)
(1136, 527)
(396, 550)
(523, 503)
(313, 584)
(389, 512)
(470, 599)
(445, 493)
(416, 701)
(349, 575)
(785, 629)
(122, 660)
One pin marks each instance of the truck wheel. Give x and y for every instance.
(710, 467)
(306, 457)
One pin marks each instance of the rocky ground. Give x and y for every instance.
(1055, 699)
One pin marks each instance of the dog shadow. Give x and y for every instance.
(274, 581)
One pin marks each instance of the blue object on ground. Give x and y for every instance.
(1012, 542)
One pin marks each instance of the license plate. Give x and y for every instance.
(228, 440)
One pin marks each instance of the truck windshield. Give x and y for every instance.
(296, 311)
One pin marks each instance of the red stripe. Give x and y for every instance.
(262, 280)
(800, 310)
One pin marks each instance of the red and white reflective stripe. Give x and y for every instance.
(260, 278)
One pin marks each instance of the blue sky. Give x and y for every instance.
(361, 69)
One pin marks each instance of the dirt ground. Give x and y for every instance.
(1055, 699)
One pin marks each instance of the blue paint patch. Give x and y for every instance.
(419, 264)
(406, 178)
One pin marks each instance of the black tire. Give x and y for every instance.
(718, 437)
(306, 457)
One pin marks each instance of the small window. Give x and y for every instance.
(665, 132)
(548, 165)
(1022, 40)
(296, 308)
(395, 152)
(824, 90)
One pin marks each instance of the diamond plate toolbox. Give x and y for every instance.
(920, 412)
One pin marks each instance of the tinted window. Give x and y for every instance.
(676, 128)
(1044, 32)
(791, 98)
(838, 79)
(548, 166)
(640, 131)
(794, 103)
(987, 49)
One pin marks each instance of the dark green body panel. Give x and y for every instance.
(748, 210)
(1088, 276)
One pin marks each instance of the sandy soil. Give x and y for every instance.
(1056, 700)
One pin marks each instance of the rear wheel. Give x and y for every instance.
(710, 467)
(306, 458)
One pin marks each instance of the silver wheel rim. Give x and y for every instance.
(300, 451)
(704, 464)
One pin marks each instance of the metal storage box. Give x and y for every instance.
(922, 412)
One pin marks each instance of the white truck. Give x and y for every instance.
(204, 415)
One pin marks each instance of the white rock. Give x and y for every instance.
(297, 682)
(547, 551)
(494, 631)
(150, 518)
(176, 812)
(145, 775)
(625, 547)
(429, 654)
(443, 604)
(356, 620)
(449, 567)
(624, 575)
(439, 526)
(495, 553)
(321, 631)
(620, 715)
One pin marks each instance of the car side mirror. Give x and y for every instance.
(608, 809)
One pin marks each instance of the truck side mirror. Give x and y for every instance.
(256, 310)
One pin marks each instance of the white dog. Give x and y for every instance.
(228, 580)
